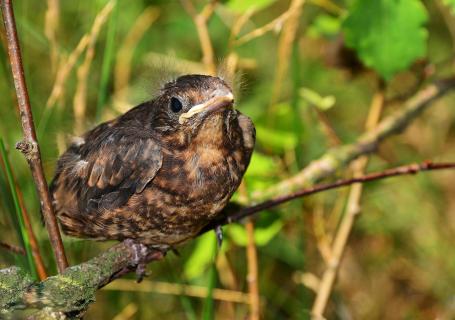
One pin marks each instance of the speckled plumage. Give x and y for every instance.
(153, 174)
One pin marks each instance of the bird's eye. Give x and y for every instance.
(176, 104)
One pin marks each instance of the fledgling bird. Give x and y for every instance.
(159, 173)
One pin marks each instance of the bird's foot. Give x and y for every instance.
(141, 272)
(141, 255)
(219, 235)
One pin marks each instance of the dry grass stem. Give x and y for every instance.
(320, 233)
(308, 279)
(128, 312)
(252, 276)
(67, 64)
(122, 71)
(51, 24)
(329, 6)
(285, 44)
(177, 289)
(327, 128)
(275, 24)
(80, 96)
(352, 211)
(238, 25)
(252, 259)
(200, 20)
(227, 280)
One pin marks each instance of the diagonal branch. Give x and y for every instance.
(338, 157)
(399, 171)
(29, 145)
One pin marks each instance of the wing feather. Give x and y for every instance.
(122, 165)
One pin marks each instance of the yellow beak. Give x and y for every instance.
(213, 104)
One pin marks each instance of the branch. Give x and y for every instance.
(75, 288)
(29, 145)
(12, 248)
(339, 157)
(399, 171)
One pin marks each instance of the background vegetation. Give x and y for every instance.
(311, 73)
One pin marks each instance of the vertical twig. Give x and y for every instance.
(80, 97)
(352, 211)
(285, 48)
(122, 70)
(252, 276)
(29, 145)
(51, 22)
(252, 260)
(200, 20)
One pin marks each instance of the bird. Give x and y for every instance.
(159, 173)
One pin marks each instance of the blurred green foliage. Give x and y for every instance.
(388, 35)
(400, 260)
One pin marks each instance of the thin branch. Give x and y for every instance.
(272, 25)
(338, 157)
(12, 248)
(178, 289)
(394, 172)
(29, 145)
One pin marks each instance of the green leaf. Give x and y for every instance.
(388, 35)
(261, 165)
(241, 6)
(202, 256)
(315, 99)
(262, 236)
(278, 140)
(324, 26)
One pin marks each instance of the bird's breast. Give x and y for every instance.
(198, 179)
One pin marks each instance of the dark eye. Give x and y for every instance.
(176, 105)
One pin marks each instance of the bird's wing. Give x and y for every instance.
(119, 165)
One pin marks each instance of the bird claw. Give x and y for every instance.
(140, 253)
(141, 272)
(219, 235)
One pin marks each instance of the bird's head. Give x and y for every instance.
(192, 102)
